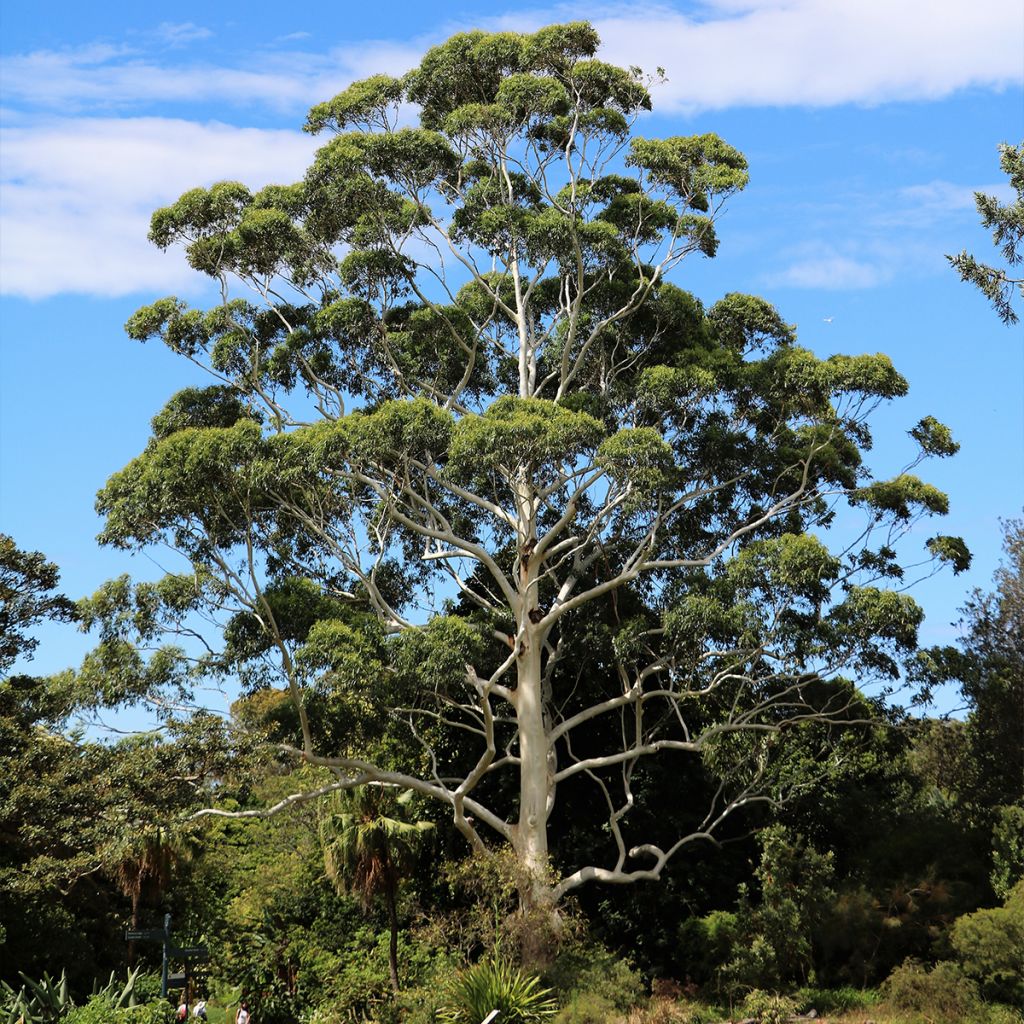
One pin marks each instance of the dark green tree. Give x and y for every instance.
(1006, 222)
(978, 764)
(461, 406)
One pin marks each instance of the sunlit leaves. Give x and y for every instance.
(903, 496)
(528, 430)
(694, 170)
(951, 550)
(639, 458)
(364, 102)
(935, 438)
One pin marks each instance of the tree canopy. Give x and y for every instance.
(475, 466)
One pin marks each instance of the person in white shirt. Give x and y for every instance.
(242, 1017)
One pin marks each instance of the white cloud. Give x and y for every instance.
(820, 52)
(727, 53)
(77, 196)
(108, 77)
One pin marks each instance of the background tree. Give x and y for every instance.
(978, 764)
(463, 418)
(27, 582)
(1007, 223)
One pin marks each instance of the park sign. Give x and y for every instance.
(188, 954)
(191, 953)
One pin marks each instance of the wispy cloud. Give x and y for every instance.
(181, 33)
(822, 267)
(886, 235)
(77, 197)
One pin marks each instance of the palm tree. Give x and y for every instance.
(141, 862)
(369, 844)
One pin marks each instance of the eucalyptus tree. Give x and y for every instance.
(461, 413)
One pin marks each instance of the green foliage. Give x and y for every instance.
(943, 993)
(98, 1010)
(998, 284)
(795, 883)
(768, 1008)
(828, 1001)
(40, 1001)
(27, 580)
(951, 550)
(1008, 850)
(495, 984)
(585, 975)
(47, 1001)
(935, 438)
(586, 1008)
(989, 944)
(706, 946)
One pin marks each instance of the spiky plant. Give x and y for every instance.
(495, 984)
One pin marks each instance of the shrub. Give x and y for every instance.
(989, 945)
(590, 970)
(706, 944)
(1003, 1015)
(944, 993)
(768, 1008)
(772, 943)
(100, 1010)
(587, 1008)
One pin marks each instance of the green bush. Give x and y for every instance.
(990, 947)
(587, 969)
(587, 1008)
(771, 944)
(944, 993)
(100, 1010)
(706, 945)
(768, 1008)
(1003, 1015)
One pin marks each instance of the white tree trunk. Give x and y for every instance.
(531, 831)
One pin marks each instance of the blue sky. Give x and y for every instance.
(868, 127)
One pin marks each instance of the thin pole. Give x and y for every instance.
(163, 971)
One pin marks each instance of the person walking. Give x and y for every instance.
(242, 1016)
